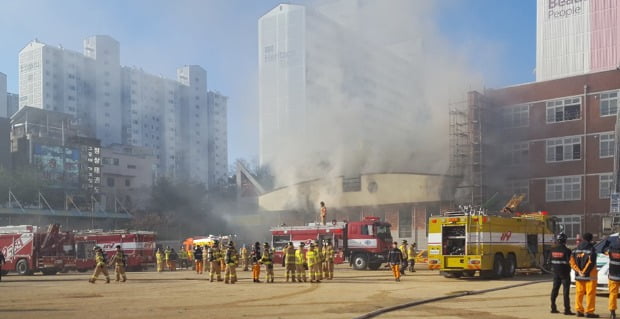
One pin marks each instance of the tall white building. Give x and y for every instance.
(576, 37)
(4, 108)
(217, 110)
(123, 105)
(324, 89)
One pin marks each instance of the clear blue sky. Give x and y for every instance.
(221, 35)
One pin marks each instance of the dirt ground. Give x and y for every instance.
(184, 294)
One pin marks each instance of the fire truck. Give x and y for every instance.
(464, 242)
(138, 246)
(364, 243)
(28, 250)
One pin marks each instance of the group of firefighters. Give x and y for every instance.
(119, 260)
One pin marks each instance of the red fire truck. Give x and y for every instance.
(364, 243)
(138, 246)
(27, 250)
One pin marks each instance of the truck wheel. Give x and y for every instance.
(374, 266)
(360, 262)
(510, 266)
(498, 266)
(22, 267)
(452, 274)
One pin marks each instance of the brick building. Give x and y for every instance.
(552, 140)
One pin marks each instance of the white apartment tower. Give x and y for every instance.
(4, 98)
(217, 106)
(123, 105)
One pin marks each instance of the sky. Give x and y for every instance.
(497, 37)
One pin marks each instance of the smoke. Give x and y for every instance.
(379, 81)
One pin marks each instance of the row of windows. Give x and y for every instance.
(559, 110)
(568, 188)
(559, 149)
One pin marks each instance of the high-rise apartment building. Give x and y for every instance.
(217, 109)
(4, 109)
(123, 105)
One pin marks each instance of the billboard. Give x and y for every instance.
(59, 166)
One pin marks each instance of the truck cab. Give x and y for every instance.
(368, 242)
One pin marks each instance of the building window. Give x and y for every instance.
(115, 161)
(516, 154)
(514, 116)
(351, 184)
(131, 166)
(110, 181)
(563, 110)
(404, 223)
(605, 185)
(519, 186)
(563, 189)
(607, 146)
(571, 224)
(563, 149)
(127, 182)
(609, 103)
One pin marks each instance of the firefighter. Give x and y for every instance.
(173, 260)
(395, 259)
(198, 259)
(2, 261)
(256, 257)
(300, 263)
(329, 261)
(267, 260)
(159, 257)
(614, 277)
(232, 260)
(290, 261)
(560, 259)
(167, 253)
(222, 255)
(190, 258)
(120, 262)
(323, 213)
(321, 259)
(183, 258)
(214, 257)
(403, 249)
(245, 258)
(583, 262)
(100, 266)
(205, 259)
(312, 256)
(411, 255)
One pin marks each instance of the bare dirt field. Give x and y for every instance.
(184, 294)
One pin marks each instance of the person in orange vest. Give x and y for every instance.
(583, 262)
(323, 213)
(256, 257)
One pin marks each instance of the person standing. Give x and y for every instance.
(267, 260)
(183, 258)
(244, 258)
(614, 277)
(159, 258)
(173, 260)
(395, 259)
(256, 257)
(119, 260)
(205, 259)
(403, 249)
(583, 262)
(300, 263)
(321, 258)
(167, 254)
(232, 260)
(100, 266)
(560, 259)
(314, 263)
(198, 259)
(323, 213)
(214, 262)
(329, 260)
(290, 261)
(2, 261)
(411, 255)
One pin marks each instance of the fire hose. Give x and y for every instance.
(381, 311)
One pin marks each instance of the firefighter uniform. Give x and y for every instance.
(120, 262)
(256, 257)
(321, 255)
(560, 259)
(328, 271)
(411, 254)
(214, 256)
(614, 277)
(198, 260)
(395, 259)
(167, 254)
(100, 267)
(583, 262)
(205, 259)
(267, 260)
(314, 264)
(244, 258)
(403, 249)
(159, 258)
(183, 258)
(300, 263)
(290, 261)
(323, 213)
(232, 260)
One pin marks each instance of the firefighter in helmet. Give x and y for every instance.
(290, 261)
(256, 257)
(232, 260)
(560, 258)
(583, 262)
(245, 258)
(267, 260)
(100, 266)
(214, 256)
(159, 258)
(119, 260)
(314, 263)
(198, 259)
(404, 248)
(300, 263)
(328, 269)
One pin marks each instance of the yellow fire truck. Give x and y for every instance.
(465, 242)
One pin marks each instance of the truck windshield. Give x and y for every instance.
(280, 241)
(383, 231)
